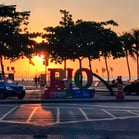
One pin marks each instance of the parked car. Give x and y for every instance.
(133, 87)
(10, 88)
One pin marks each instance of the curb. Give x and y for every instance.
(62, 101)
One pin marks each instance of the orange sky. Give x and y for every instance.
(46, 13)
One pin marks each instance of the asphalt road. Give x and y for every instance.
(33, 94)
(70, 121)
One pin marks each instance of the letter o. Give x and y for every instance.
(89, 78)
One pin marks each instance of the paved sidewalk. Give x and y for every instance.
(102, 95)
(95, 99)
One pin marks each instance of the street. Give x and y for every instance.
(69, 121)
(33, 94)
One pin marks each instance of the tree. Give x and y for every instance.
(74, 39)
(109, 45)
(15, 40)
(67, 20)
(82, 39)
(135, 35)
(58, 37)
(94, 40)
(127, 44)
(85, 36)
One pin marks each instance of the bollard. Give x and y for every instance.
(120, 93)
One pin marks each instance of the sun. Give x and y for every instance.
(39, 39)
(38, 59)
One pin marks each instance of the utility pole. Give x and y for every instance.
(45, 63)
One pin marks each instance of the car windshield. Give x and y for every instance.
(9, 81)
(2, 80)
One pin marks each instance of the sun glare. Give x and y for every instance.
(39, 39)
(41, 56)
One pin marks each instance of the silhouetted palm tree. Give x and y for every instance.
(136, 46)
(109, 46)
(127, 44)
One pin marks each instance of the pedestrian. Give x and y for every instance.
(119, 80)
(113, 83)
(35, 80)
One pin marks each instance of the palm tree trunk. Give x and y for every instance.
(137, 66)
(80, 66)
(127, 61)
(80, 63)
(2, 66)
(90, 66)
(108, 74)
(65, 66)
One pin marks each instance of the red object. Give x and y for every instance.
(120, 93)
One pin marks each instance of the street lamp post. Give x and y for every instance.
(45, 62)
(45, 58)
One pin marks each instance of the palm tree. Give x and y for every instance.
(127, 44)
(136, 46)
(109, 46)
(107, 68)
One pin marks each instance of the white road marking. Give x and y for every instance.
(109, 113)
(32, 113)
(86, 106)
(84, 114)
(127, 117)
(58, 115)
(130, 111)
(14, 122)
(96, 120)
(3, 105)
(83, 121)
(104, 106)
(8, 113)
(98, 107)
(121, 107)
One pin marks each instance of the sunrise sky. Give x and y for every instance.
(46, 13)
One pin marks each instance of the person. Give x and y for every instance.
(119, 80)
(39, 80)
(35, 80)
(113, 83)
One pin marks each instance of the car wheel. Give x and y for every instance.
(21, 96)
(2, 95)
(127, 90)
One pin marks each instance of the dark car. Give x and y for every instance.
(10, 88)
(132, 88)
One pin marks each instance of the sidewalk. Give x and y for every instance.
(95, 99)
(99, 97)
